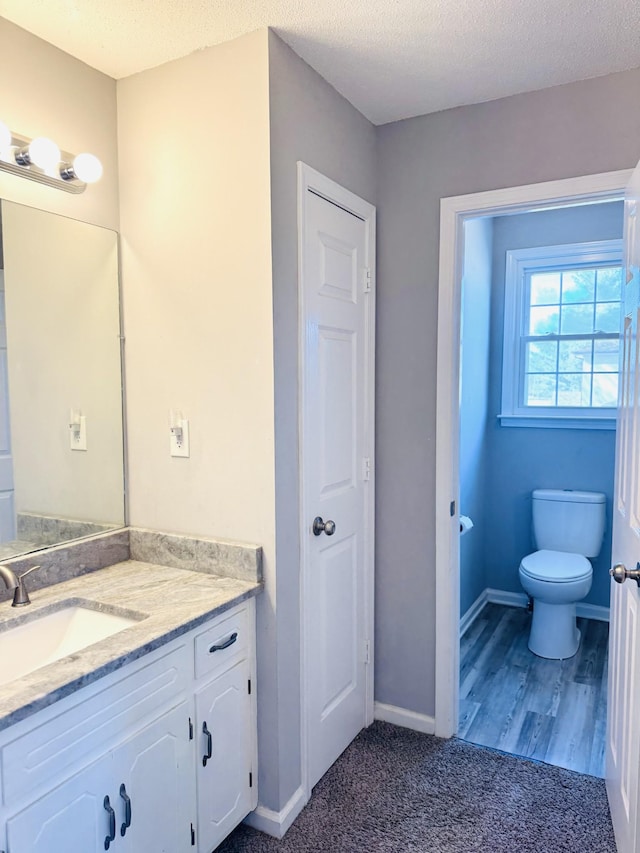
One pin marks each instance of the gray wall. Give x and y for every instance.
(521, 459)
(579, 129)
(474, 398)
(311, 122)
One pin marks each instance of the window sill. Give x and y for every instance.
(556, 422)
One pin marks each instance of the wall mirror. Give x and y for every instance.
(61, 425)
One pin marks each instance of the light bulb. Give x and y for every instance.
(5, 138)
(87, 168)
(44, 153)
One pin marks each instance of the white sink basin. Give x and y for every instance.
(45, 639)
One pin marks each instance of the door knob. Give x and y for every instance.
(319, 525)
(620, 573)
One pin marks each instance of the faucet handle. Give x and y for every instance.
(28, 572)
(20, 595)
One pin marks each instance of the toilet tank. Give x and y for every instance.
(569, 521)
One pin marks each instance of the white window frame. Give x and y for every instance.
(519, 263)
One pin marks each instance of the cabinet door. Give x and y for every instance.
(154, 779)
(223, 729)
(70, 819)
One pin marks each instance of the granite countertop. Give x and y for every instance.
(167, 601)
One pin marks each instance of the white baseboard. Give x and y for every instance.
(592, 611)
(519, 599)
(402, 717)
(470, 616)
(277, 823)
(503, 596)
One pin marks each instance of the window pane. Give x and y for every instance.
(575, 356)
(540, 390)
(605, 356)
(574, 389)
(541, 357)
(605, 389)
(577, 319)
(609, 284)
(608, 317)
(543, 320)
(545, 288)
(578, 286)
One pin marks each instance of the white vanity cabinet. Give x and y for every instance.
(119, 765)
(225, 721)
(133, 799)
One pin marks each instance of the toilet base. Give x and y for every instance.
(554, 633)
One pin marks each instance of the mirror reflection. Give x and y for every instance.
(61, 433)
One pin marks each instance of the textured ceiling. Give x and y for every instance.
(391, 58)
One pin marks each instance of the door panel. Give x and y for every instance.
(224, 793)
(623, 733)
(71, 818)
(339, 655)
(156, 768)
(335, 317)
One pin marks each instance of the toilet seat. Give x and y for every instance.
(556, 566)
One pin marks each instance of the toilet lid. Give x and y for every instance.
(556, 566)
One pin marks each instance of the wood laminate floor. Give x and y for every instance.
(512, 700)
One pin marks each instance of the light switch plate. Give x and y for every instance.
(179, 438)
(78, 433)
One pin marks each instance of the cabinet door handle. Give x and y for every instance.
(112, 823)
(219, 646)
(209, 751)
(127, 810)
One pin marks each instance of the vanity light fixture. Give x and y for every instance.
(41, 160)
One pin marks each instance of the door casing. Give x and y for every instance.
(453, 213)
(311, 180)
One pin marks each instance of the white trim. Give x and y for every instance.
(593, 611)
(402, 717)
(310, 179)
(520, 599)
(470, 616)
(556, 422)
(507, 597)
(519, 264)
(277, 823)
(453, 212)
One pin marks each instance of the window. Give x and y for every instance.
(561, 335)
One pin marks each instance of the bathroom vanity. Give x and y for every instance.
(127, 687)
(145, 740)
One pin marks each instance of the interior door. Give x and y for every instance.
(623, 732)
(335, 476)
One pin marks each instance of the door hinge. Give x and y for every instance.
(249, 687)
(250, 779)
(367, 651)
(190, 729)
(193, 836)
(366, 280)
(366, 469)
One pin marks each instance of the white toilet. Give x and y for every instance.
(568, 527)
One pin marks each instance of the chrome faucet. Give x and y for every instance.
(16, 583)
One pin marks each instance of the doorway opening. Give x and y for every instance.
(490, 688)
(540, 323)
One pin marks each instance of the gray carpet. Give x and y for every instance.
(395, 790)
